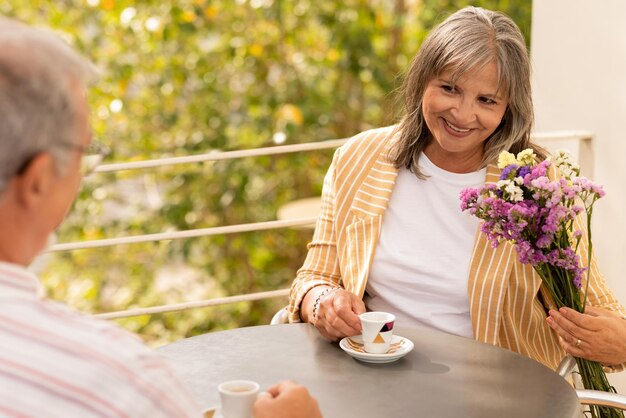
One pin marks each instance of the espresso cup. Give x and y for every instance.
(237, 397)
(377, 331)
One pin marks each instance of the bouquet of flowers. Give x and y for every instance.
(537, 214)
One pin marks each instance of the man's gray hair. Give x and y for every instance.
(38, 76)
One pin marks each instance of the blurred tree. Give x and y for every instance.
(191, 76)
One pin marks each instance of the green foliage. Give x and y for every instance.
(191, 76)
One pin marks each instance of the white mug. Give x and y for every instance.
(377, 331)
(237, 397)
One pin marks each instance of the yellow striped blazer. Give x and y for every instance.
(505, 296)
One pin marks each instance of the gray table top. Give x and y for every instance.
(444, 376)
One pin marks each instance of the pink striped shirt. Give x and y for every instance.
(55, 362)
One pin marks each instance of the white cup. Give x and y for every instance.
(237, 397)
(377, 331)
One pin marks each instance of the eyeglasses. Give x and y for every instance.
(92, 155)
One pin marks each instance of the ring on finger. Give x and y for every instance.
(578, 343)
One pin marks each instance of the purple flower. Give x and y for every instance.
(578, 276)
(538, 221)
(509, 172)
(523, 171)
(544, 241)
(468, 197)
(587, 185)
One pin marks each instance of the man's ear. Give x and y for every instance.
(34, 183)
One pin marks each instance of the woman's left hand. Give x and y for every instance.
(598, 334)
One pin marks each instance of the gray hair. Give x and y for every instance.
(470, 38)
(38, 72)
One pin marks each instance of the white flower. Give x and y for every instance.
(515, 193)
(566, 164)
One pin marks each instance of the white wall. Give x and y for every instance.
(578, 48)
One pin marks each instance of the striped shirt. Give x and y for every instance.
(507, 300)
(55, 362)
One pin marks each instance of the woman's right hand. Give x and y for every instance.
(338, 314)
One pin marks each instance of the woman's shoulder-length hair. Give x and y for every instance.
(469, 39)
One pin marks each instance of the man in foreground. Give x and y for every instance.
(55, 362)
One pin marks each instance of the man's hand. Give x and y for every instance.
(286, 400)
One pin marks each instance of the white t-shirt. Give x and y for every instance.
(421, 264)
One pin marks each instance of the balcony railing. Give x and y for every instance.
(578, 142)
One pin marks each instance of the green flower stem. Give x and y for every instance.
(561, 288)
(593, 377)
(589, 212)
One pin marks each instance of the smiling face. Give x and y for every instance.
(461, 116)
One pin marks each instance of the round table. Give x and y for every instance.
(444, 376)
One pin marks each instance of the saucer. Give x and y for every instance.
(399, 348)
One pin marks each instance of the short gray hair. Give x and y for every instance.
(37, 109)
(470, 38)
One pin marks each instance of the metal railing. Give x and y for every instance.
(582, 139)
(599, 398)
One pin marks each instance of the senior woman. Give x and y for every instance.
(391, 235)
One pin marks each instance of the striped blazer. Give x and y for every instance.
(505, 296)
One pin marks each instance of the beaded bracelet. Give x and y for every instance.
(323, 293)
